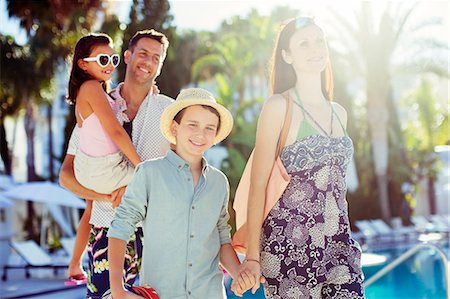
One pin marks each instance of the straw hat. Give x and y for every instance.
(190, 97)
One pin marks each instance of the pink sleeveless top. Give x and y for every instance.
(94, 141)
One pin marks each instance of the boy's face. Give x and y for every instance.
(196, 131)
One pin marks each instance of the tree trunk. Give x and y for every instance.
(30, 126)
(382, 183)
(4, 150)
(50, 144)
(378, 120)
(431, 195)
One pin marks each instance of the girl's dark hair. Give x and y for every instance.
(282, 75)
(83, 49)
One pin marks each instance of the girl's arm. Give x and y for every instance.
(93, 93)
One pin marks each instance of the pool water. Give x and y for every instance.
(422, 276)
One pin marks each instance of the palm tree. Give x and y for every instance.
(52, 28)
(13, 57)
(370, 47)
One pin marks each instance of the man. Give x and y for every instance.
(141, 112)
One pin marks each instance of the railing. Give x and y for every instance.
(404, 257)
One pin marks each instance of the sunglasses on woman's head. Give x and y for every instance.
(104, 59)
(301, 22)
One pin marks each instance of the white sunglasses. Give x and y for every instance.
(104, 59)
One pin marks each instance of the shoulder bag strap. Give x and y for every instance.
(286, 125)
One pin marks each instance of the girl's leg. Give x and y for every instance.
(81, 241)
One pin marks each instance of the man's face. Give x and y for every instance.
(144, 62)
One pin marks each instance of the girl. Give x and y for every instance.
(303, 248)
(99, 163)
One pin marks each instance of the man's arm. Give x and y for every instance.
(67, 180)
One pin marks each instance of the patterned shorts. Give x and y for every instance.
(98, 271)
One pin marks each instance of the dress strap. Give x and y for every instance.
(305, 112)
(79, 114)
(340, 123)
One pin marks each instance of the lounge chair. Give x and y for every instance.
(397, 233)
(422, 225)
(34, 257)
(440, 223)
(366, 230)
(68, 245)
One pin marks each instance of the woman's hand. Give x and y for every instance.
(249, 277)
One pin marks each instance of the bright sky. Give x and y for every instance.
(208, 15)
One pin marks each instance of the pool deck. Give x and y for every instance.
(42, 284)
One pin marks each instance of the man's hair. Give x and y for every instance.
(149, 33)
(180, 113)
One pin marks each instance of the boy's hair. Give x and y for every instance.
(149, 33)
(180, 114)
(83, 49)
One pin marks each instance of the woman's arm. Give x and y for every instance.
(267, 134)
(93, 93)
(268, 131)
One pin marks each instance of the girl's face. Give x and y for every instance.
(307, 50)
(95, 69)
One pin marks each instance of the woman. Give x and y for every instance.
(303, 248)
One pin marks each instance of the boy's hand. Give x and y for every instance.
(125, 295)
(249, 277)
(117, 196)
(242, 283)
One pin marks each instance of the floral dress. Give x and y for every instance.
(306, 247)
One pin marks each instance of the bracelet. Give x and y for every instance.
(251, 260)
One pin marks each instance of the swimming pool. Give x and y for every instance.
(422, 276)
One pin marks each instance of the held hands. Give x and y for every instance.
(116, 196)
(249, 277)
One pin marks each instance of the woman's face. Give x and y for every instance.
(307, 50)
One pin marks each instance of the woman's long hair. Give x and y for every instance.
(83, 49)
(282, 74)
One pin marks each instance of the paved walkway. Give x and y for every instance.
(42, 284)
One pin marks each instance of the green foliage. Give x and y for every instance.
(426, 125)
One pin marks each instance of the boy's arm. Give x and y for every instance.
(131, 211)
(228, 257)
(229, 260)
(116, 260)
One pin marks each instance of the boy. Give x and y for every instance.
(182, 202)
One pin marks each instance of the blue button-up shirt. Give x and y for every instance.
(184, 227)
